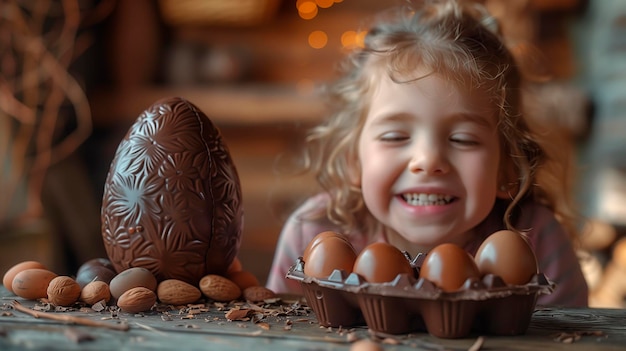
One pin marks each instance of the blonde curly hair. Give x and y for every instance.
(460, 41)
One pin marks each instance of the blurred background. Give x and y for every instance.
(75, 74)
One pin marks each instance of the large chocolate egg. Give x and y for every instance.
(172, 197)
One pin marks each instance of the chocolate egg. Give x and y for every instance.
(381, 262)
(172, 197)
(448, 266)
(92, 273)
(508, 255)
(320, 237)
(326, 252)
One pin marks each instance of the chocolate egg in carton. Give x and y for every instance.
(409, 304)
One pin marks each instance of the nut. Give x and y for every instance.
(258, 293)
(177, 292)
(138, 299)
(219, 288)
(95, 292)
(63, 291)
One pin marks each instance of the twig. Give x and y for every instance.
(477, 344)
(67, 318)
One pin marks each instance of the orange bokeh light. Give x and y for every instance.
(307, 9)
(348, 39)
(318, 39)
(324, 3)
(351, 39)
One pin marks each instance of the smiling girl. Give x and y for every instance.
(429, 144)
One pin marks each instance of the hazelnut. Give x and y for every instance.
(63, 291)
(95, 292)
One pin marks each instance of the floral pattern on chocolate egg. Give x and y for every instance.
(172, 199)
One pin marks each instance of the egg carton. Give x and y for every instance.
(408, 304)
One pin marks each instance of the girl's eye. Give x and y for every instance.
(393, 136)
(464, 141)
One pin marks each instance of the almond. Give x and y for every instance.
(136, 300)
(177, 292)
(219, 288)
(63, 291)
(95, 292)
(258, 293)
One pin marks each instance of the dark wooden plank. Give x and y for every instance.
(597, 329)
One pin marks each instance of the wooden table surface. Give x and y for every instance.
(287, 324)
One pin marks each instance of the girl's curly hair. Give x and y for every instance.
(461, 41)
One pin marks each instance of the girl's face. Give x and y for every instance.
(429, 153)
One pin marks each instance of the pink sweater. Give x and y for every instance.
(555, 254)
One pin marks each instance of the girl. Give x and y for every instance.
(429, 144)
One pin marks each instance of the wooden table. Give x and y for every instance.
(287, 324)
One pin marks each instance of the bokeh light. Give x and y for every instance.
(324, 3)
(351, 39)
(318, 39)
(307, 9)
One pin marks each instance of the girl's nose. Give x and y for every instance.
(428, 158)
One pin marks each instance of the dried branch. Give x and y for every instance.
(68, 318)
(38, 43)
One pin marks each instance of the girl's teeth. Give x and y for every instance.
(426, 199)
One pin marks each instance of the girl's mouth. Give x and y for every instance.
(423, 199)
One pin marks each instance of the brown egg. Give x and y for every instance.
(381, 262)
(132, 278)
(32, 283)
(7, 279)
(327, 252)
(448, 266)
(319, 237)
(508, 255)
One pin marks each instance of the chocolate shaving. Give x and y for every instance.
(263, 325)
(99, 306)
(235, 314)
